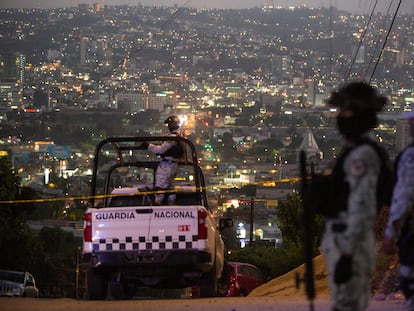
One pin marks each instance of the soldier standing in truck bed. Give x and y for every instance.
(170, 152)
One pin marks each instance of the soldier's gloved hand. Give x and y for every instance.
(144, 145)
(343, 269)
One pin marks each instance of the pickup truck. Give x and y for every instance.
(130, 242)
(18, 283)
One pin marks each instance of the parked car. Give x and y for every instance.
(244, 278)
(17, 283)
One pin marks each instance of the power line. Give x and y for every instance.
(385, 41)
(360, 41)
(378, 40)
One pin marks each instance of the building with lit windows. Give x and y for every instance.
(161, 101)
(12, 78)
(11, 96)
(130, 102)
(403, 137)
(12, 67)
(281, 64)
(84, 42)
(11, 81)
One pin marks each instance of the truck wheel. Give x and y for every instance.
(121, 290)
(97, 285)
(208, 284)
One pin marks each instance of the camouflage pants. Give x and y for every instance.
(353, 295)
(164, 179)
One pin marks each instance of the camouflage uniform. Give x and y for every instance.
(401, 211)
(166, 170)
(351, 232)
(348, 243)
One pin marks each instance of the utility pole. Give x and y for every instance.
(77, 273)
(251, 220)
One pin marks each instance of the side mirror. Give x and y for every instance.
(226, 223)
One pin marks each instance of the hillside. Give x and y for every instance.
(385, 281)
(285, 285)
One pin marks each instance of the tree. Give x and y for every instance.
(273, 262)
(51, 257)
(56, 272)
(289, 220)
(229, 150)
(15, 236)
(277, 261)
(9, 184)
(146, 118)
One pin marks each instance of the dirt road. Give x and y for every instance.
(207, 304)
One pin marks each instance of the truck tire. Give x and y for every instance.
(97, 285)
(208, 284)
(121, 290)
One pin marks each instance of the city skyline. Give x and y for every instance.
(354, 6)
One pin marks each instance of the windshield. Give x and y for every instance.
(12, 276)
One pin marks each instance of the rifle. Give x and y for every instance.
(307, 236)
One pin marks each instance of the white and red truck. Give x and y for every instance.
(129, 242)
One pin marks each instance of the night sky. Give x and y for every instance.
(355, 6)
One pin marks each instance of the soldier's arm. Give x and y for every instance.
(403, 196)
(362, 170)
(160, 149)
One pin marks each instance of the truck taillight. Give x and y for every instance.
(87, 231)
(202, 225)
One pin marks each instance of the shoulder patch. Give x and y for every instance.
(357, 167)
(360, 160)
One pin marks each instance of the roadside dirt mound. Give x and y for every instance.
(384, 284)
(285, 285)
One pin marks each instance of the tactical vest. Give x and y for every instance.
(176, 151)
(331, 192)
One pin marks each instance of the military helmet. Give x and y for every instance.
(359, 97)
(173, 123)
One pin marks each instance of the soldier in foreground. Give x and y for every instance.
(349, 196)
(400, 225)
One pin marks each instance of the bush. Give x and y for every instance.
(273, 262)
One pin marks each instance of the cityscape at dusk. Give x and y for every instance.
(250, 86)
